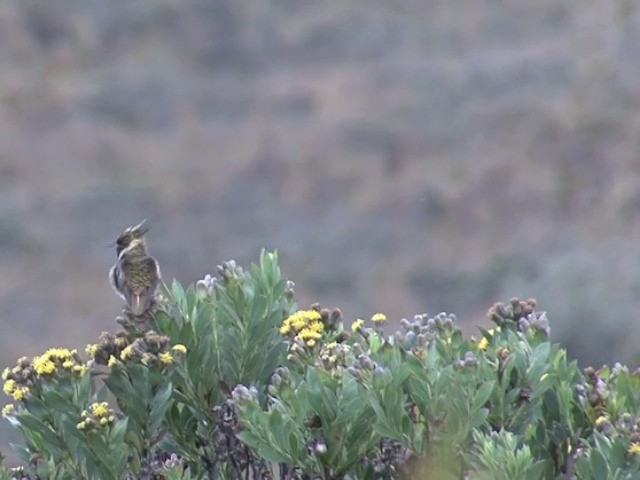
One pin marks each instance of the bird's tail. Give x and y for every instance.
(138, 304)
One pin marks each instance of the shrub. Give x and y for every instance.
(226, 379)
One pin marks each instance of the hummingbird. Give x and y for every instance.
(135, 275)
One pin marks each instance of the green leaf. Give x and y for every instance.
(262, 448)
(58, 403)
(118, 431)
(482, 395)
(159, 406)
(44, 431)
(478, 418)
(599, 468)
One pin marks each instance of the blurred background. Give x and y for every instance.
(403, 156)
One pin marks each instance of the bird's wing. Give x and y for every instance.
(115, 281)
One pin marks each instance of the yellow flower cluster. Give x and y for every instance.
(379, 318)
(98, 414)
(19, 380)
(634, 449)
(91, 349)
(165, 358)
(17, 392)
(357, 325)
(126, 353)
(8, 410)
(48, 363)
(150, 352)
(307, 325)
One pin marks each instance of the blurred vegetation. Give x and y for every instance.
(226, 380)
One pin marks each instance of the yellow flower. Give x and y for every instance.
(126, 353)
(20, 393)
(307, 333)
(285, 329)
(80, 370)
(5, 374)
(299, 323)
(311, 343)
(104, 421)
(300, 320)
(332, 345)
(120, 342)
(379, 318)
(166, 358)
(484, 343)
(8, 409)
(99, 409)
(67, 364)
(634, 449)
(112, 361)
(43, 365)
(357, 325)
(316, 326)
(601, 420)
(58, 353)
(9, 387)
(179, 348)
(91, 349)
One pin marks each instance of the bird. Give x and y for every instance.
(135, 275)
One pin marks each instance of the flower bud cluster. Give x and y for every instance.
(280, 380)
(334, 356)
(388, 458)
(230, 270)
(108, 348)
(469, 361)
(365, 368)
(242, 395)
(149, 349)
(521, 316)
(207, 285)
(596, 388)
(423, 330)
(96, 416)
(164, 461)
(600, 390)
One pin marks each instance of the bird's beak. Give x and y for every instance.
(141, 227)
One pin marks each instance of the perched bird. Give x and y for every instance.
(135, 275)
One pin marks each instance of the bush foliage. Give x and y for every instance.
(226, 379)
